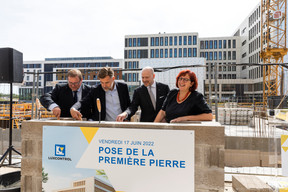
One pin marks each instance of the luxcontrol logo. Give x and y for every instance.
(60, 153)
(59, 150)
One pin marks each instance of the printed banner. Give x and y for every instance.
(284, 154)
(116, 159)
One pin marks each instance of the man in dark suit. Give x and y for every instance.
(64, 96)
(114, 98)
(146, 96)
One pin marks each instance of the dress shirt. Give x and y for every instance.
(113, 108)
(153, 89)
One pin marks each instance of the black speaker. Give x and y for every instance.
(11, 66)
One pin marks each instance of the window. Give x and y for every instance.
(215, 55)
(175, 53)
(134, 42)
(190, 52)
(229, 44)
(189, 40)
(161, 53)
(194, 40)
(166, 53)
(201, 44)
(206, 44)
(201, 54)
(161, 41)
(180, 52)
(180, 40)
(157, 41)
(220, 55)
(185, 40)
(220, 44)
(224, 55)
(130, 42)
(210, 44)
(234, 43)
(130, 54)
(206, 55)
(166, 41)
(134, 53)
(224, 44)
(194, 52)
(170, 53)
(152, 41)
(152, 53)
(157, 53)
(185, 52)
(210, 56)
(215, 44)
(229, 55)
(170, 40)
(234, 55)
(175, 40)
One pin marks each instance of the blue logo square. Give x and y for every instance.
(60, 150)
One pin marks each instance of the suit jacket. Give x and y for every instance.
(98, 92)
(62, 95)
(141, 98)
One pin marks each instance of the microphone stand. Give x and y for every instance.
(99, 108)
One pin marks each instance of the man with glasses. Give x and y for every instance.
(114, 98)
(64, 96)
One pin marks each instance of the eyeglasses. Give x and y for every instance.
(184, 79)
(71, 83)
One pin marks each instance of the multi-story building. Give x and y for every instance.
(221, 51)
(154, 46)
(54, 70)
(91, 184)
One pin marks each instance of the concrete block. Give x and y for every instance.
(242, 158)
(31, 167)
(249, 183)
(212, 178)
(26, 183)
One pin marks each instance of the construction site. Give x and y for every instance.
(253, 155)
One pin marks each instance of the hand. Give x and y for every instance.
(122, 116)
(75, 114)
(177, 120)
(57, 112)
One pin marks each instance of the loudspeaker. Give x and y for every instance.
(11, 66)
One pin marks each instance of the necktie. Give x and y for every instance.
(75, 99)
(152, 97)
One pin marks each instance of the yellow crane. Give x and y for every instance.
(273, 45)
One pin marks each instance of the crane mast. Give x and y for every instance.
(273, 46)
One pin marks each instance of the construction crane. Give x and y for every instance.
(273, 46)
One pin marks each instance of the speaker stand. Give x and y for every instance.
(10, 148)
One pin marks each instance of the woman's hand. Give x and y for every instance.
(179, 119)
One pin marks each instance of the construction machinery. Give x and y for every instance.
(273, 46)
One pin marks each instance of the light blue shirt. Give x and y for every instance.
(113, 107)
(79, 96)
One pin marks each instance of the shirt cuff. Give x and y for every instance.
(52, 106)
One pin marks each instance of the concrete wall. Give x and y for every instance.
(209, 151)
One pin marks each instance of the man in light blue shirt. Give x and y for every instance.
(114, 98)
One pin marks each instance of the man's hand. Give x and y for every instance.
(75, 114)
(57, 112)
(122, 116)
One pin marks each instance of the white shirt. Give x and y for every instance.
(153, 89)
